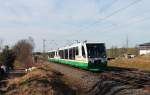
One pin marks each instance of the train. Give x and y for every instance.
(84, 55)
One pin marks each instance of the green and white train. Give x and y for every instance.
(90, 56)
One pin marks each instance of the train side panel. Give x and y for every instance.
(79, 64)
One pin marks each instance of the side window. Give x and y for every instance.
(66, 53)
(76, 51)
(73, 53)
(53, 54)
(49, 55)
(61, 54)
(70, 53)
(83, 51)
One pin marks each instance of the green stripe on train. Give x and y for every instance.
(82, 65)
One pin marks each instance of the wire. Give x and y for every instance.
(113, 13)
(132, 23)
(121, 9)
(108, 6)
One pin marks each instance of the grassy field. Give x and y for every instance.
(141, 62)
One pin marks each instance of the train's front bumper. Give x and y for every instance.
(97, 64)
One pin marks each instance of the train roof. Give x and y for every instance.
(74, 45)
(70, 46)
(52, 50)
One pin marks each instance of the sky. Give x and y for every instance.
(61, 22)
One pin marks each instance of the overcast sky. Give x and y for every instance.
(62, 21)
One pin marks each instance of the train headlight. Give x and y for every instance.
(103, 60)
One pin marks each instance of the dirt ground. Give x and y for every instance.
(111, 81)
(41, 81)
(57, 79)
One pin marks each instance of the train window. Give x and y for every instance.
(76, 51)
(60, 53)
(83, 51)
(63, 52)
(63, 57)
(72, 53)
(96, 50)
(66, 53)
(51, 54)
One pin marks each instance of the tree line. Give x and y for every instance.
(114, 51)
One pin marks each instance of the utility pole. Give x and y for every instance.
(127, 43)
(44, 47)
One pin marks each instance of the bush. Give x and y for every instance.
(7, 58)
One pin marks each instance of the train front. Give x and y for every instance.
(97, 58)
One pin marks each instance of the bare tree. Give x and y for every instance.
(31, 41)
(23, 50)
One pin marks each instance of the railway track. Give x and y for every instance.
(110, 81)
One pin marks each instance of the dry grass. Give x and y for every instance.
(142, 63)
(18, 64)
(41, 81)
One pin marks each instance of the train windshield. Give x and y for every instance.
(96, 50)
